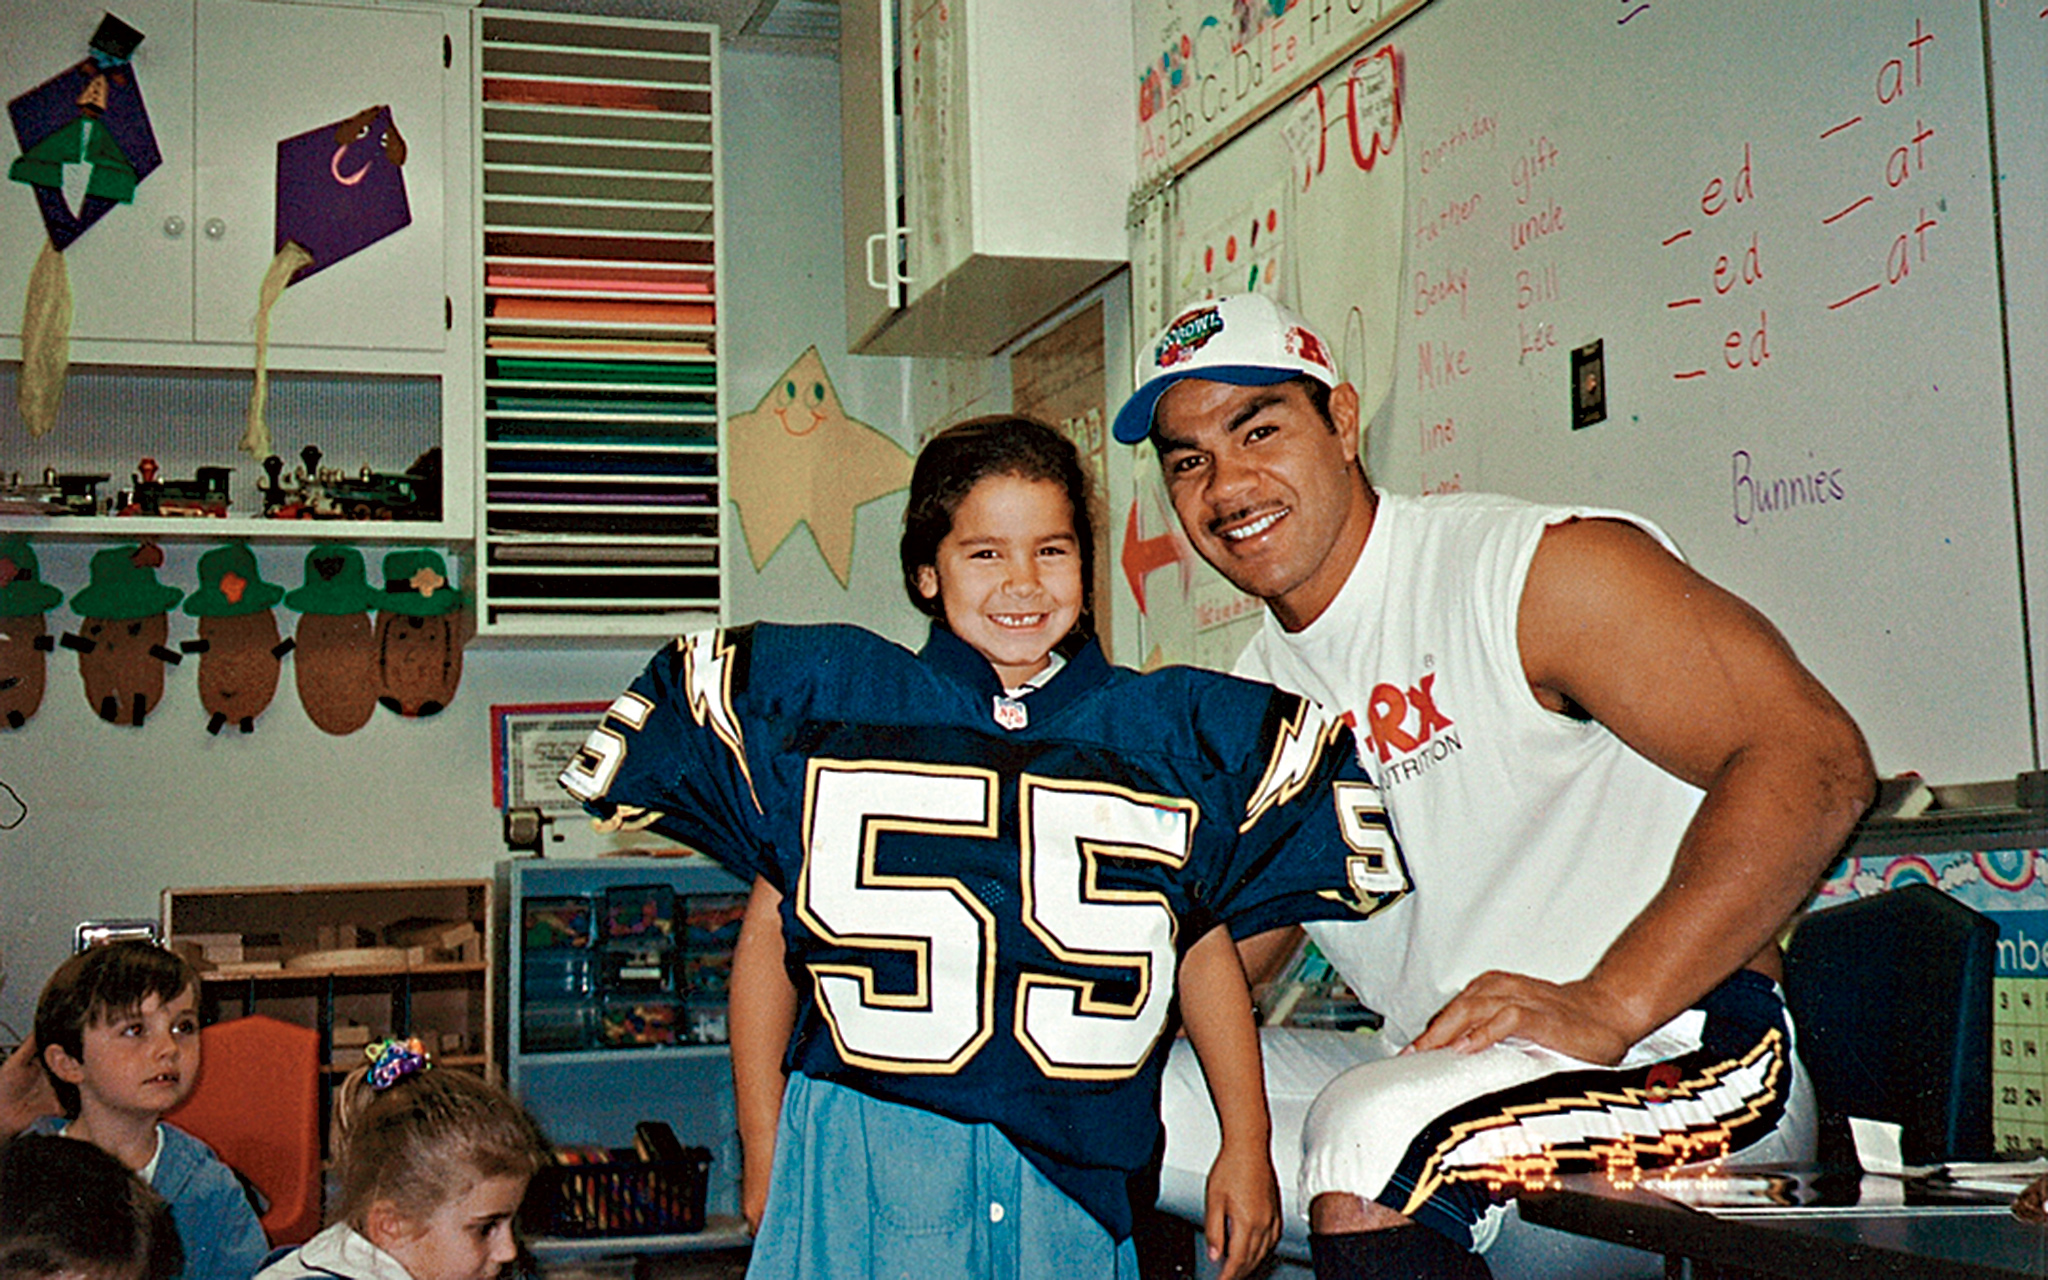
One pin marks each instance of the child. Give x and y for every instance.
(433, 1165)
(70, 1211)
(976, 870)
(118, 1026)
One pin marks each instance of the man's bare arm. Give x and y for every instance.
(1614, 626)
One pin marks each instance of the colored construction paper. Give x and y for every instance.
(607, 312)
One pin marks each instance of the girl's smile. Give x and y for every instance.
(1008, 574)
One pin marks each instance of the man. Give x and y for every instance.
(1613, 781)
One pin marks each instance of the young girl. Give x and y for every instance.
(433, 1165)
(979, 873)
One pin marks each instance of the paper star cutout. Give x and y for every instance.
(798, 459)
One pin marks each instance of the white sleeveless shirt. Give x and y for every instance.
(1533, 838)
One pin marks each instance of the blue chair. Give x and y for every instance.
(1891, 996)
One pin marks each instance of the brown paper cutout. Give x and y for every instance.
(335, 667)
(419, 660)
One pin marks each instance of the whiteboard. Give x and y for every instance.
(1778, 223)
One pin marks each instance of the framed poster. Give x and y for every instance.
(531, 743)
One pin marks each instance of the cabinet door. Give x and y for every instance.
(131, 273)
(867, 134)
(938, 182)
(269, 71)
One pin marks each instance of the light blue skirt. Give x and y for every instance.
(870, 1190)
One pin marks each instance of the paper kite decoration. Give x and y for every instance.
(89, 114)
(797, 458)
(340, 189)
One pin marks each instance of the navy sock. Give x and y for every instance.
(1407, 1252)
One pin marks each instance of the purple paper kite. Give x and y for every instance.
(341, 188)
(87, 114)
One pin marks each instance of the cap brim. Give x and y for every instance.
(1134, 420)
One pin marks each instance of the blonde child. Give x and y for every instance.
(980, 873)
(433, 1165)
(117, 1027)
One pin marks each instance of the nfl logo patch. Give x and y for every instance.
(1010, 713)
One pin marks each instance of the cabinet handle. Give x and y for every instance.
(889, 269)
(215, 228)
(903, 276)
(174, 227)
(879, 238)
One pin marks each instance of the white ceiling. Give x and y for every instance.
(786, 26)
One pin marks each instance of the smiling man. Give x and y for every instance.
(1613, 779)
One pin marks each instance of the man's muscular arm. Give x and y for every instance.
(1613, 626)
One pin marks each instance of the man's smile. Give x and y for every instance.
(1252, 527)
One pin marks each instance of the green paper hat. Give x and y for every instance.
(22, 591)
(124, 585)
(230, 585)
(336, 583)
(416, 584)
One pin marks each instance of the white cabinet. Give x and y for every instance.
(989, 156)
(372, 360)
(172, 279)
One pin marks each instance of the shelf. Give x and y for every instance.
(451, 999)
(135, 528)
(321, 975)
(592, 1057)
(602, 326)
(721, 1231)
(596, 1095)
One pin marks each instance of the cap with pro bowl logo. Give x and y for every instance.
(1247, 340)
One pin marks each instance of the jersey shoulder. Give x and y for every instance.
(1229, 721)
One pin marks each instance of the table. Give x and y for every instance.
(1814, 1237)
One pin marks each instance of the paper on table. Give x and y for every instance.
(1878, 1150)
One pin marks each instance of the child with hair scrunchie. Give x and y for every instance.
(433, 1165)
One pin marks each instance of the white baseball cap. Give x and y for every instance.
(1247, 340)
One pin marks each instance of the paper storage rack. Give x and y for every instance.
(602, 474)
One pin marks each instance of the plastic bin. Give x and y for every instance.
(626, 1196)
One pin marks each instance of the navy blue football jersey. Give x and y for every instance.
(984, 899)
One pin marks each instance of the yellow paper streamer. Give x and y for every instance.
(45, 342)
(256, 439)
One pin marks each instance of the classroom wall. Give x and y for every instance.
(96, 820)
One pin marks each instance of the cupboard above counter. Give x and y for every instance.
(990, 152)
(370, 363)
(172, 278)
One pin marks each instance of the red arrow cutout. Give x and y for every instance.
(1144, 555)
